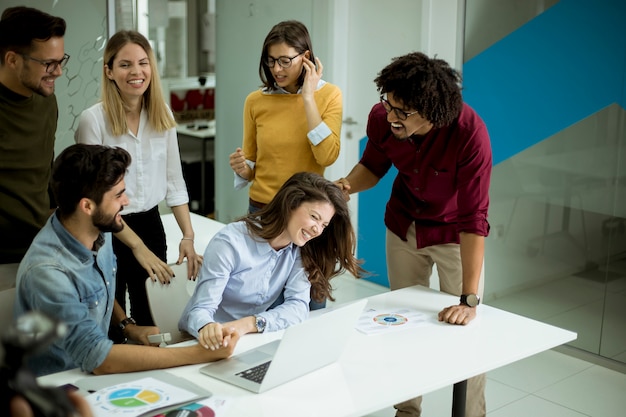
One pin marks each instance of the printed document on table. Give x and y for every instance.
(374, 321)
(136, 398)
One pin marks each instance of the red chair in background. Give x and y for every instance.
(209, 98)
(194, 99)
(176, 103)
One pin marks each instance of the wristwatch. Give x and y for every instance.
(260, 324)
(470, 300)
(126, 322)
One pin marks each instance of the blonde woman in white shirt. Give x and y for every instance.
(133, 115)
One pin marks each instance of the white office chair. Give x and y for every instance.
(8, 273)
(167, 302)
(7, 298)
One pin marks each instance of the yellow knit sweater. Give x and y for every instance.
(275, 137)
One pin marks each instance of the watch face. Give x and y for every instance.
(472, 300)
(260, 324)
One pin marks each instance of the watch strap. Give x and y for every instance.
(126, 322)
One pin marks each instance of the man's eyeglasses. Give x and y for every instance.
(51, 66)
(400, 114)
(283, 61)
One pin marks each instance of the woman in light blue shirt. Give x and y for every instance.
(290, 248)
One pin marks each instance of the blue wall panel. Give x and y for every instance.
(371, 239)
(556, 70)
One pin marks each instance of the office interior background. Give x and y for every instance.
(547, 76)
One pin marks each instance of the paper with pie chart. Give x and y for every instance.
(374, 321)
(136, 398)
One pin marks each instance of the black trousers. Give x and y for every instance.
(130, 275)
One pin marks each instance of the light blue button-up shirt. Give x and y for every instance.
(242, 276)
(63, 279)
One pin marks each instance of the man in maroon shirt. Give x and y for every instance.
(437, 212)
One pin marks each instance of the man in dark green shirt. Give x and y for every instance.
(32, 57)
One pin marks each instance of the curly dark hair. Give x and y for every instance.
(427, 85)
(328, 254)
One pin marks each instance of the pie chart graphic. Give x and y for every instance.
(390, 319)
(133, 397)
(131, 400)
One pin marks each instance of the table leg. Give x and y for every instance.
(459, 394)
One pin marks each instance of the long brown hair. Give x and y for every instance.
(159, 116)
(327, 255)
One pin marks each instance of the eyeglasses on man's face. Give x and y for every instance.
(283, 61)
(51, 66)
(400, 114)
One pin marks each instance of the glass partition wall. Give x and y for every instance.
(557, 249)
(557, 252)
(182, 32)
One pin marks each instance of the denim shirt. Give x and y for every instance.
(63, 279)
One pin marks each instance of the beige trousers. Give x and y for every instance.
(408, 266)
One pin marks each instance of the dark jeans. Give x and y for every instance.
(131, 275)
(254, 206)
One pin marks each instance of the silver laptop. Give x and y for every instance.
(305, 347)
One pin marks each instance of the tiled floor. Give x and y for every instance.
(548, 384)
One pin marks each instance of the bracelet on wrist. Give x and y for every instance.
(187, 238)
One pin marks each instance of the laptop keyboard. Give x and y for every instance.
(256, 373)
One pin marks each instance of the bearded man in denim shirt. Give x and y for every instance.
(68, 273)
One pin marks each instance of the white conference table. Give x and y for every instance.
(377, 371)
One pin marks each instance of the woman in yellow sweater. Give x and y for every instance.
(293, 123)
